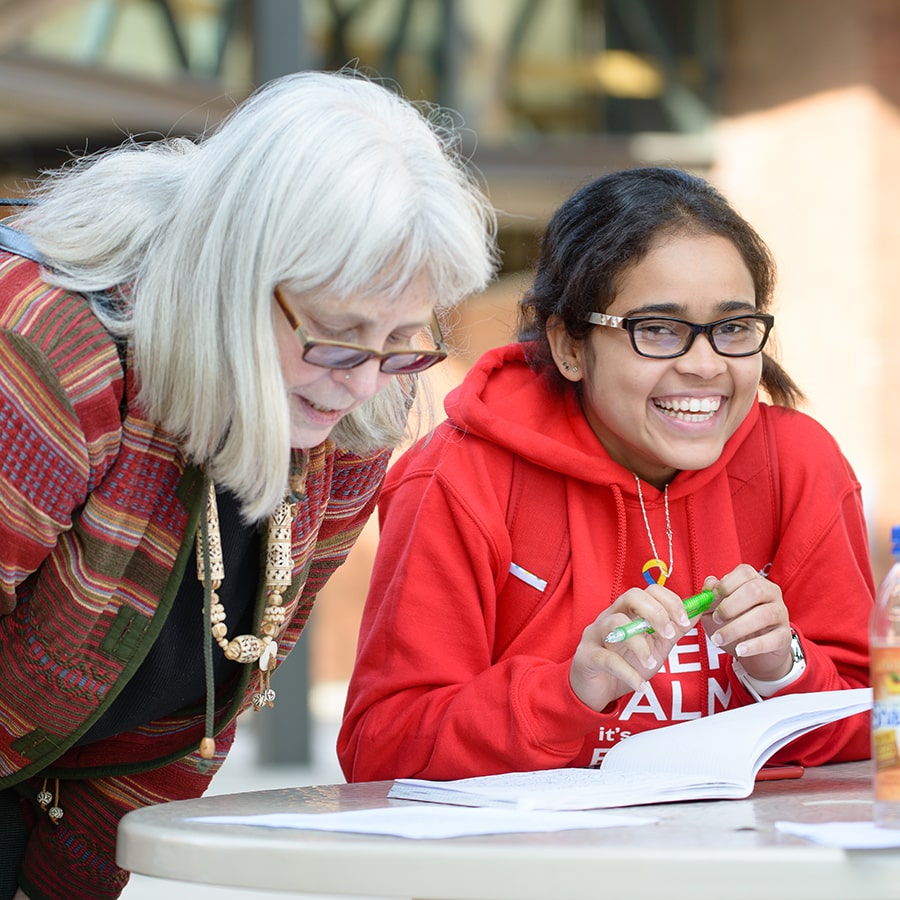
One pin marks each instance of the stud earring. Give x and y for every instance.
(346, 376)
(565, 365)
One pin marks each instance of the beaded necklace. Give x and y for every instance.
(245, 648)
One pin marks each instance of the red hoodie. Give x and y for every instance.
(463, 669)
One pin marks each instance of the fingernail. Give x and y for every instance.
(669, 630)
(650, 662)
(683, 619)
(717, 639)
(740, 650)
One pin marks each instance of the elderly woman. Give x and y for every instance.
(207, 352)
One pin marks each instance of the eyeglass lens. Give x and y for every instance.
(337, 357)
(731, 337)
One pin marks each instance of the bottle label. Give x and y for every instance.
(885, 667)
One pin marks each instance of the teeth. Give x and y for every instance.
(691, 409)
(324, 409)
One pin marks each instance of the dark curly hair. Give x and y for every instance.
(610, 225)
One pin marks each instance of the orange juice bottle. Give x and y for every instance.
(884, 662)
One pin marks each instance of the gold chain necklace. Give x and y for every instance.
(656, 562)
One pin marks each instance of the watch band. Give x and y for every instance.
(759, 689)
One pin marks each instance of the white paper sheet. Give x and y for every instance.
(433, 821)
(845, 835)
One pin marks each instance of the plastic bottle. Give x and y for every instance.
(884, 647)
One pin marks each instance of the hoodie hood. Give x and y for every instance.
(503, 400)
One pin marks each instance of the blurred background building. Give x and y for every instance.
(789, 106)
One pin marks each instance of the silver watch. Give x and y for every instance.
(759, 689)
(797, 654)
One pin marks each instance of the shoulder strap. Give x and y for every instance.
(539, 534)
(756, 484)
(18, 243)
(774, 476)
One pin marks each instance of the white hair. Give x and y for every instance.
(329, 182)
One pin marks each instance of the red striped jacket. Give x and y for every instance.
(99, 512)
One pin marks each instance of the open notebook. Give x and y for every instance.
(715, 757)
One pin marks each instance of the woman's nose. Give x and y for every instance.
(363, 381)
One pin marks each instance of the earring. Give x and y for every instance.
(574, 368)
(346, 376)
(565, 365)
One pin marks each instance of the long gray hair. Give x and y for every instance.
(330, 183)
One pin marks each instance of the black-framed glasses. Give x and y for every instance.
(340, 355)
(665, 337)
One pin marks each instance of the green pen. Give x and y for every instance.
(693, 606)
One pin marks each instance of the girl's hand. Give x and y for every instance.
(751, 623)
(600, 672)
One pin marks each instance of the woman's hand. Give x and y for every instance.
(751, 623)
(600, 672)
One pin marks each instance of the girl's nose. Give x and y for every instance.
(701, 359)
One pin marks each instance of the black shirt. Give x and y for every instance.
(171, 678)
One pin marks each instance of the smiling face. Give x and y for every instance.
(319, 398)
(658, 416)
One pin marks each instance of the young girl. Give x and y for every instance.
(613, 462)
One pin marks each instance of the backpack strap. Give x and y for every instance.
(18, 243)
(772, 462)
(774, 482)
(537, 522)
(756, 485)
